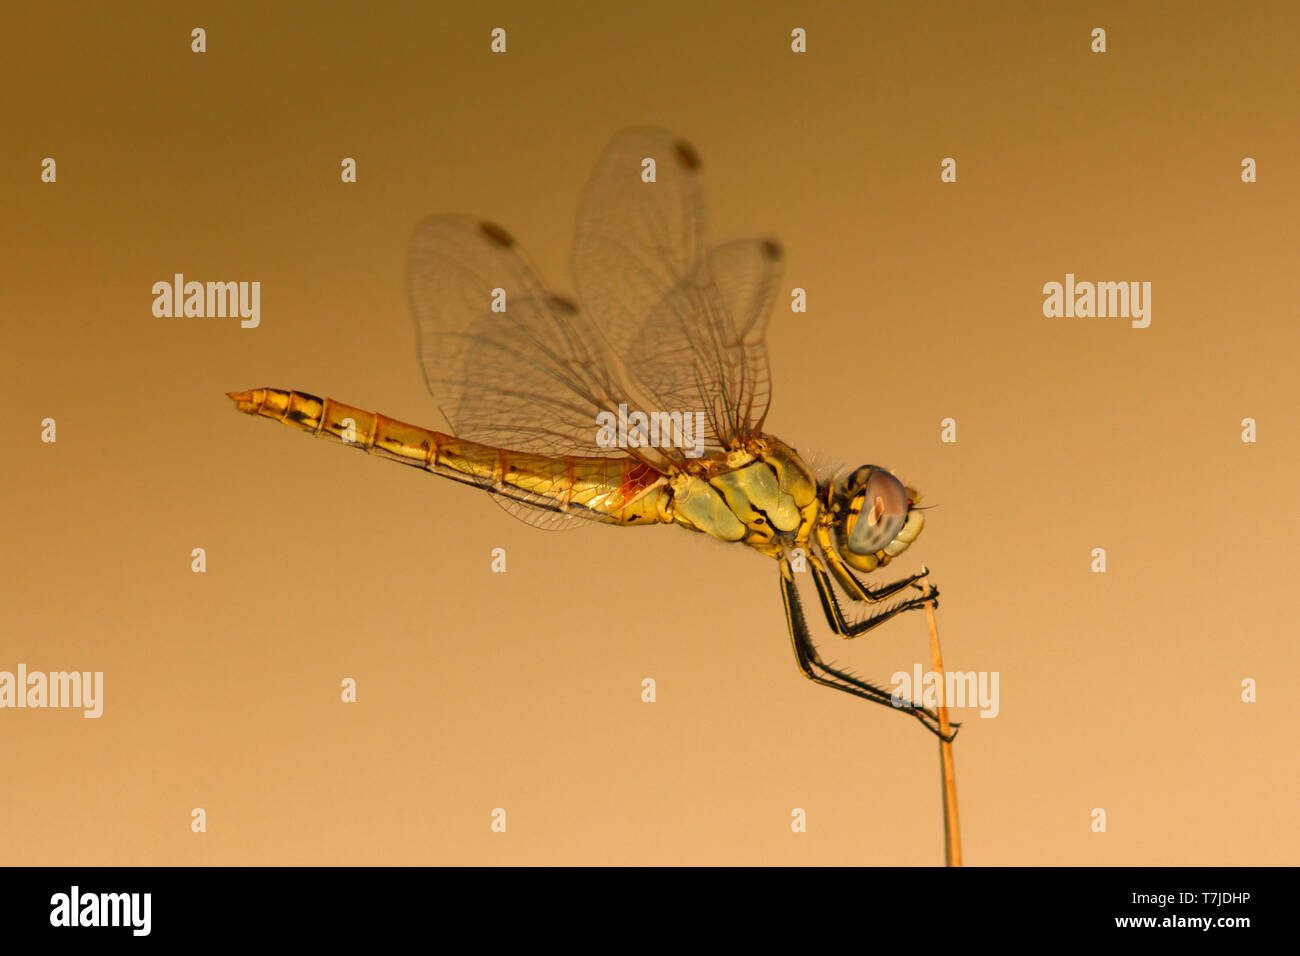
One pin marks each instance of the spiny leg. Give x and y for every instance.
(831, 604)
(816, 670)
(883, 591)
(835, 617)
(854, 586)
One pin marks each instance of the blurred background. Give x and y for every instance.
(1119, 691)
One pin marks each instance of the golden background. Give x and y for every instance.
(479, 690)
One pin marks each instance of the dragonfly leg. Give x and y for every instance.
(864, 592)
(831, 604)
(815, 669)
(853, 585)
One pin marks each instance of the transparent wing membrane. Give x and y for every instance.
(664, 324)
(690, 354)
(689, 321)
(531, 377)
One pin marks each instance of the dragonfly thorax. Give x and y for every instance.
(762, 495)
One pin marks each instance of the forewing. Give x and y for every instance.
(693, 350)
(530, 378)
(688, 323)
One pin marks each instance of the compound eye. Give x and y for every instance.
(881, 513)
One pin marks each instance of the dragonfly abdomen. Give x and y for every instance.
(615, 490)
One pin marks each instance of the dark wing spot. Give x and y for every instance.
(772, 249)
(686, 155)
(496, 234)
(564, 304)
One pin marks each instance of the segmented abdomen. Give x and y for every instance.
(617, 490)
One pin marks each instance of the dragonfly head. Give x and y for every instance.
(875, 517)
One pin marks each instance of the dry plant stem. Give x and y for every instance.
(951, 828)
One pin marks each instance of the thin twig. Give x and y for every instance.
(951, 828)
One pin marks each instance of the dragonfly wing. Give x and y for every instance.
(687, 321)
(530, 378)
(694, 351)
(671, 326)
(537, 511)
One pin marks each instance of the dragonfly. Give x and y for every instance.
(568, 414)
